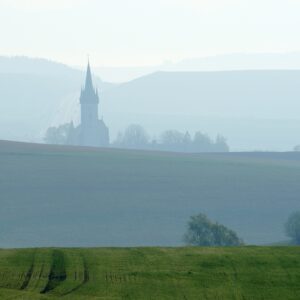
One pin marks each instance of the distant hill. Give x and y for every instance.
(150, 273)
(239, 61)
(35, 93)
(226, 62)
(267, 94)
(69, 196)
(253, 109)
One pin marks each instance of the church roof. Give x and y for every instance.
(88, 78)
(89, 94)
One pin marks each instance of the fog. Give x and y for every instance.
(119, 120)
(254, 110)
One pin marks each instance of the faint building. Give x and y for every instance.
(92, 131)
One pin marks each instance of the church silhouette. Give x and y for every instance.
(92, 131)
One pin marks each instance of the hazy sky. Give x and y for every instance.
(144, 32)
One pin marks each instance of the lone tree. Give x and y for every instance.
(203, 232)
(292, 227)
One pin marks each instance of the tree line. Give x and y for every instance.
(136, 137)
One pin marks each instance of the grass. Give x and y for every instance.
(66, 196)
(151, 273)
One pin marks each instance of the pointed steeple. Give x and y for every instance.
(88, 79)
(88, 93)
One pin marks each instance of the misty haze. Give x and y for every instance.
(149, 150)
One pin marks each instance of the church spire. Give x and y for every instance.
(88, 79)
(88, 93)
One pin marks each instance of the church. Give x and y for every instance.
(92, 131)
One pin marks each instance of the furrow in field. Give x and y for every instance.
(40, 271)
(57, 273)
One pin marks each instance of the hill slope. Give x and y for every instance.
(64, 196)
(253, 109)
(222, 94)
(152, 273)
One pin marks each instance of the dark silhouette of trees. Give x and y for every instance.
(203, 232)
(292, 227)
(221, 144)
(61, 135)
(171, 140)
(202, 143)
(134, 137)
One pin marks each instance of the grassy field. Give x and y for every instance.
(151, 273)
(83, 197)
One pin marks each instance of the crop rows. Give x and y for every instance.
(45, 272)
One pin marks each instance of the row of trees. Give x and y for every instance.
(136, 137)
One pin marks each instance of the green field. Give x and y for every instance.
(151, 273)
(55, 196)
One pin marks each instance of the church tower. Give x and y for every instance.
(89, 101)
(93, 132)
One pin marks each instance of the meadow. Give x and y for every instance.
(83, 197)
(150, 273)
